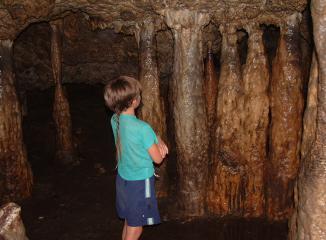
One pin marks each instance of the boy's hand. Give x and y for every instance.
(162, 147)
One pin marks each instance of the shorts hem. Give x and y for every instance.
(141, 225)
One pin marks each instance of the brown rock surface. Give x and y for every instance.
(87, 56)
(99, 44)
(152, 108)
(11, 224)
(286, 117)
(255, 121)
(61, 109)
(211, 83)
(311, 215)
(17, 15)
(16, 176)
(189, 110)
(226, 184)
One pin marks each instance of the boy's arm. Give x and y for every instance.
(155, 154)
(158, 151)
(154, 145)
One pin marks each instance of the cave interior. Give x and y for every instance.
(235, 89)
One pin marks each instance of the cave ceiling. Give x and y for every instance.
(15, 15)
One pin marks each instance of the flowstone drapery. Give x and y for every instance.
(286, 118)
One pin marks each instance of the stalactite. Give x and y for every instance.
(286, 115)
(15, 174)
(61, 110)
(311, 215)
(152, 109)
(255, 121)
(211, 82)
(227, 172)
(189, 110)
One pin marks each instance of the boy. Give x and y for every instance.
(137, 147)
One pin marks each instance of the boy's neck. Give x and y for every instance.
(129, 111)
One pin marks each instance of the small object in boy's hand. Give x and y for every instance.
(156, 171)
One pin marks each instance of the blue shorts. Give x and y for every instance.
(136, 201)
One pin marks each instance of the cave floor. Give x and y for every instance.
(77, 202)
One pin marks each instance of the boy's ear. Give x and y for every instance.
(134, 101)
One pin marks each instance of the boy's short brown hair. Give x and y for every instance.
(120, 92)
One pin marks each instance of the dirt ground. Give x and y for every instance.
(77, 202)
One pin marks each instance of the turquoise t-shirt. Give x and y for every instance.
(136, 137)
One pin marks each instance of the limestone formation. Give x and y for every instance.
(16, 176)
(211, 82)
(189, 110)
(61, 110)
(11, 224)
(255, 121)
(152, 108)
(237, 135)
(311, 215)
(227, 177)
(15, 16)
(286, 118)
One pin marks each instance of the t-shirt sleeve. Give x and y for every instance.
(149, 136)
(114, 126)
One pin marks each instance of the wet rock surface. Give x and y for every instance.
(122, 15)
(286, 120)
(190, 123)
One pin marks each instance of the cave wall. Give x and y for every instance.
(92, 56)
(88, 56)
(99, 44)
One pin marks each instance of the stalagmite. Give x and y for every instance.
(152, 109)
(61, 110)
(189, 110)
(286, 115)
(255, 121)
(311, 213)
(11, 224)
(211, 83)
(226, 182)
(15, 173)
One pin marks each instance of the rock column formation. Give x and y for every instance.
(61, 110)
(311, 218)
(15, 173)
(189, 110)
(255, 121)
(226, 182)
(152, 109)
(211, 82)
(286, 118)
